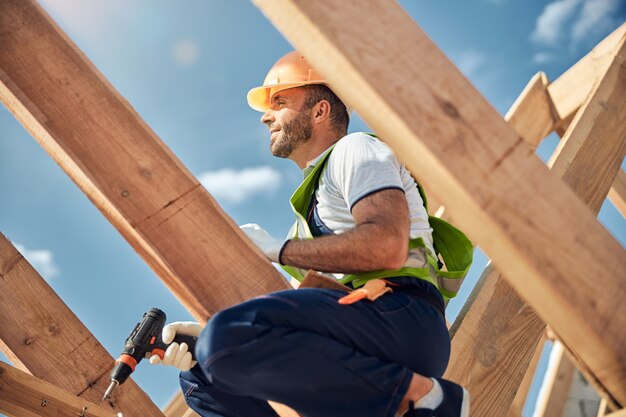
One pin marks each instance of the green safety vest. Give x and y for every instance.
(454, 247)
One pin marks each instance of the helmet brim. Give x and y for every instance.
(260, 98)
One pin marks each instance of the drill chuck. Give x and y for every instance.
(143, 342)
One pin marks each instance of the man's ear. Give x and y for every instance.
(321, 111)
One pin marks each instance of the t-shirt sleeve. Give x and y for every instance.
(361, 165)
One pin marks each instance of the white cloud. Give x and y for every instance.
(185, 52)
(470, 61)
(86, 17)
(549, 25)
(543, 57)
(594, 18)
(41, 259)
(238, 186)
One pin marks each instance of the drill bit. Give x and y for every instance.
(113, 384)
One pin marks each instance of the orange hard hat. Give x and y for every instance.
(290, 71)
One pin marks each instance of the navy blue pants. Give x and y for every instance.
(303, 349)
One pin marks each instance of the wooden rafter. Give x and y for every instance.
(508, 310)
(556, 385)
(23, 395)
(533, 115)
(617, 195)
(42, 336)
(522, 392)
(497, 190)
(571, 89)
(124, 168)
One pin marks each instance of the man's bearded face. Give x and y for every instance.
(291, 132)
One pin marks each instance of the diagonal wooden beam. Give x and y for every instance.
(556, 384)
(23, 395)
(578, 154)
(124, 168)
(525, 218)
(533, 115)
(42, 336)
(517, 406)
(617, 195)
(572, 88)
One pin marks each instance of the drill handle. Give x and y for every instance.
(160, 347)
(190, 340)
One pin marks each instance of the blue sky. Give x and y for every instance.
(186, 66)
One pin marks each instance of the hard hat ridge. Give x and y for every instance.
(290, 71)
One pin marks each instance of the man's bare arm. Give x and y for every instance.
(379, 240)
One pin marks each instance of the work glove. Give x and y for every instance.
(268, 244)
(177, 355)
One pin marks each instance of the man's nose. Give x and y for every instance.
(267, 117)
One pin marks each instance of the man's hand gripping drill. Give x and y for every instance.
(173, 345)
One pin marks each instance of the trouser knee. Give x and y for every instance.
(225, 331)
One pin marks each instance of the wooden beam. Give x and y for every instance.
(572, 88)
(498, 191)
(517, 406)
(177, 407)
(124, 168)
(42, 336)
(617, 195)
(23, 395)
(533, 115)
(493, 341)
(574, 153)
(556, 385)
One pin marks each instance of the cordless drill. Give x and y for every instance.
(144, 341)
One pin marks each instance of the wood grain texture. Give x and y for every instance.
(42, 336)
(591, 144)
(496, 189)
(493, 343)
(23, 395)
(533, 115)
(517, 406)
(124, 168)
(593, 148)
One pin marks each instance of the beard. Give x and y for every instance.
(291, 135)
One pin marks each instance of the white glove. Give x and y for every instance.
(177, 355)
(268, 244)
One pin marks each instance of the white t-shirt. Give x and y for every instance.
(358, 166)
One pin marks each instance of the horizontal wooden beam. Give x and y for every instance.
(23, 395)
(124, 168)
(529, 222)
(42, 336)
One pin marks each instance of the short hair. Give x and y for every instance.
(339, 117)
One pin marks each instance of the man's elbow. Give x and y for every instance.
(395, 254)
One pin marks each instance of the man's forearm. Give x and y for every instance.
(368, 247)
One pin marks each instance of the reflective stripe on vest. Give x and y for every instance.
(451, 244)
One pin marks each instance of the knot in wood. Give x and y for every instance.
(450, 109)
(53, 328)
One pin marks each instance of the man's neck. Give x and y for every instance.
(314, 147)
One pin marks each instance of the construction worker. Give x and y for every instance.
(360, 216)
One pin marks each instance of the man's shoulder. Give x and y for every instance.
(358, 142)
